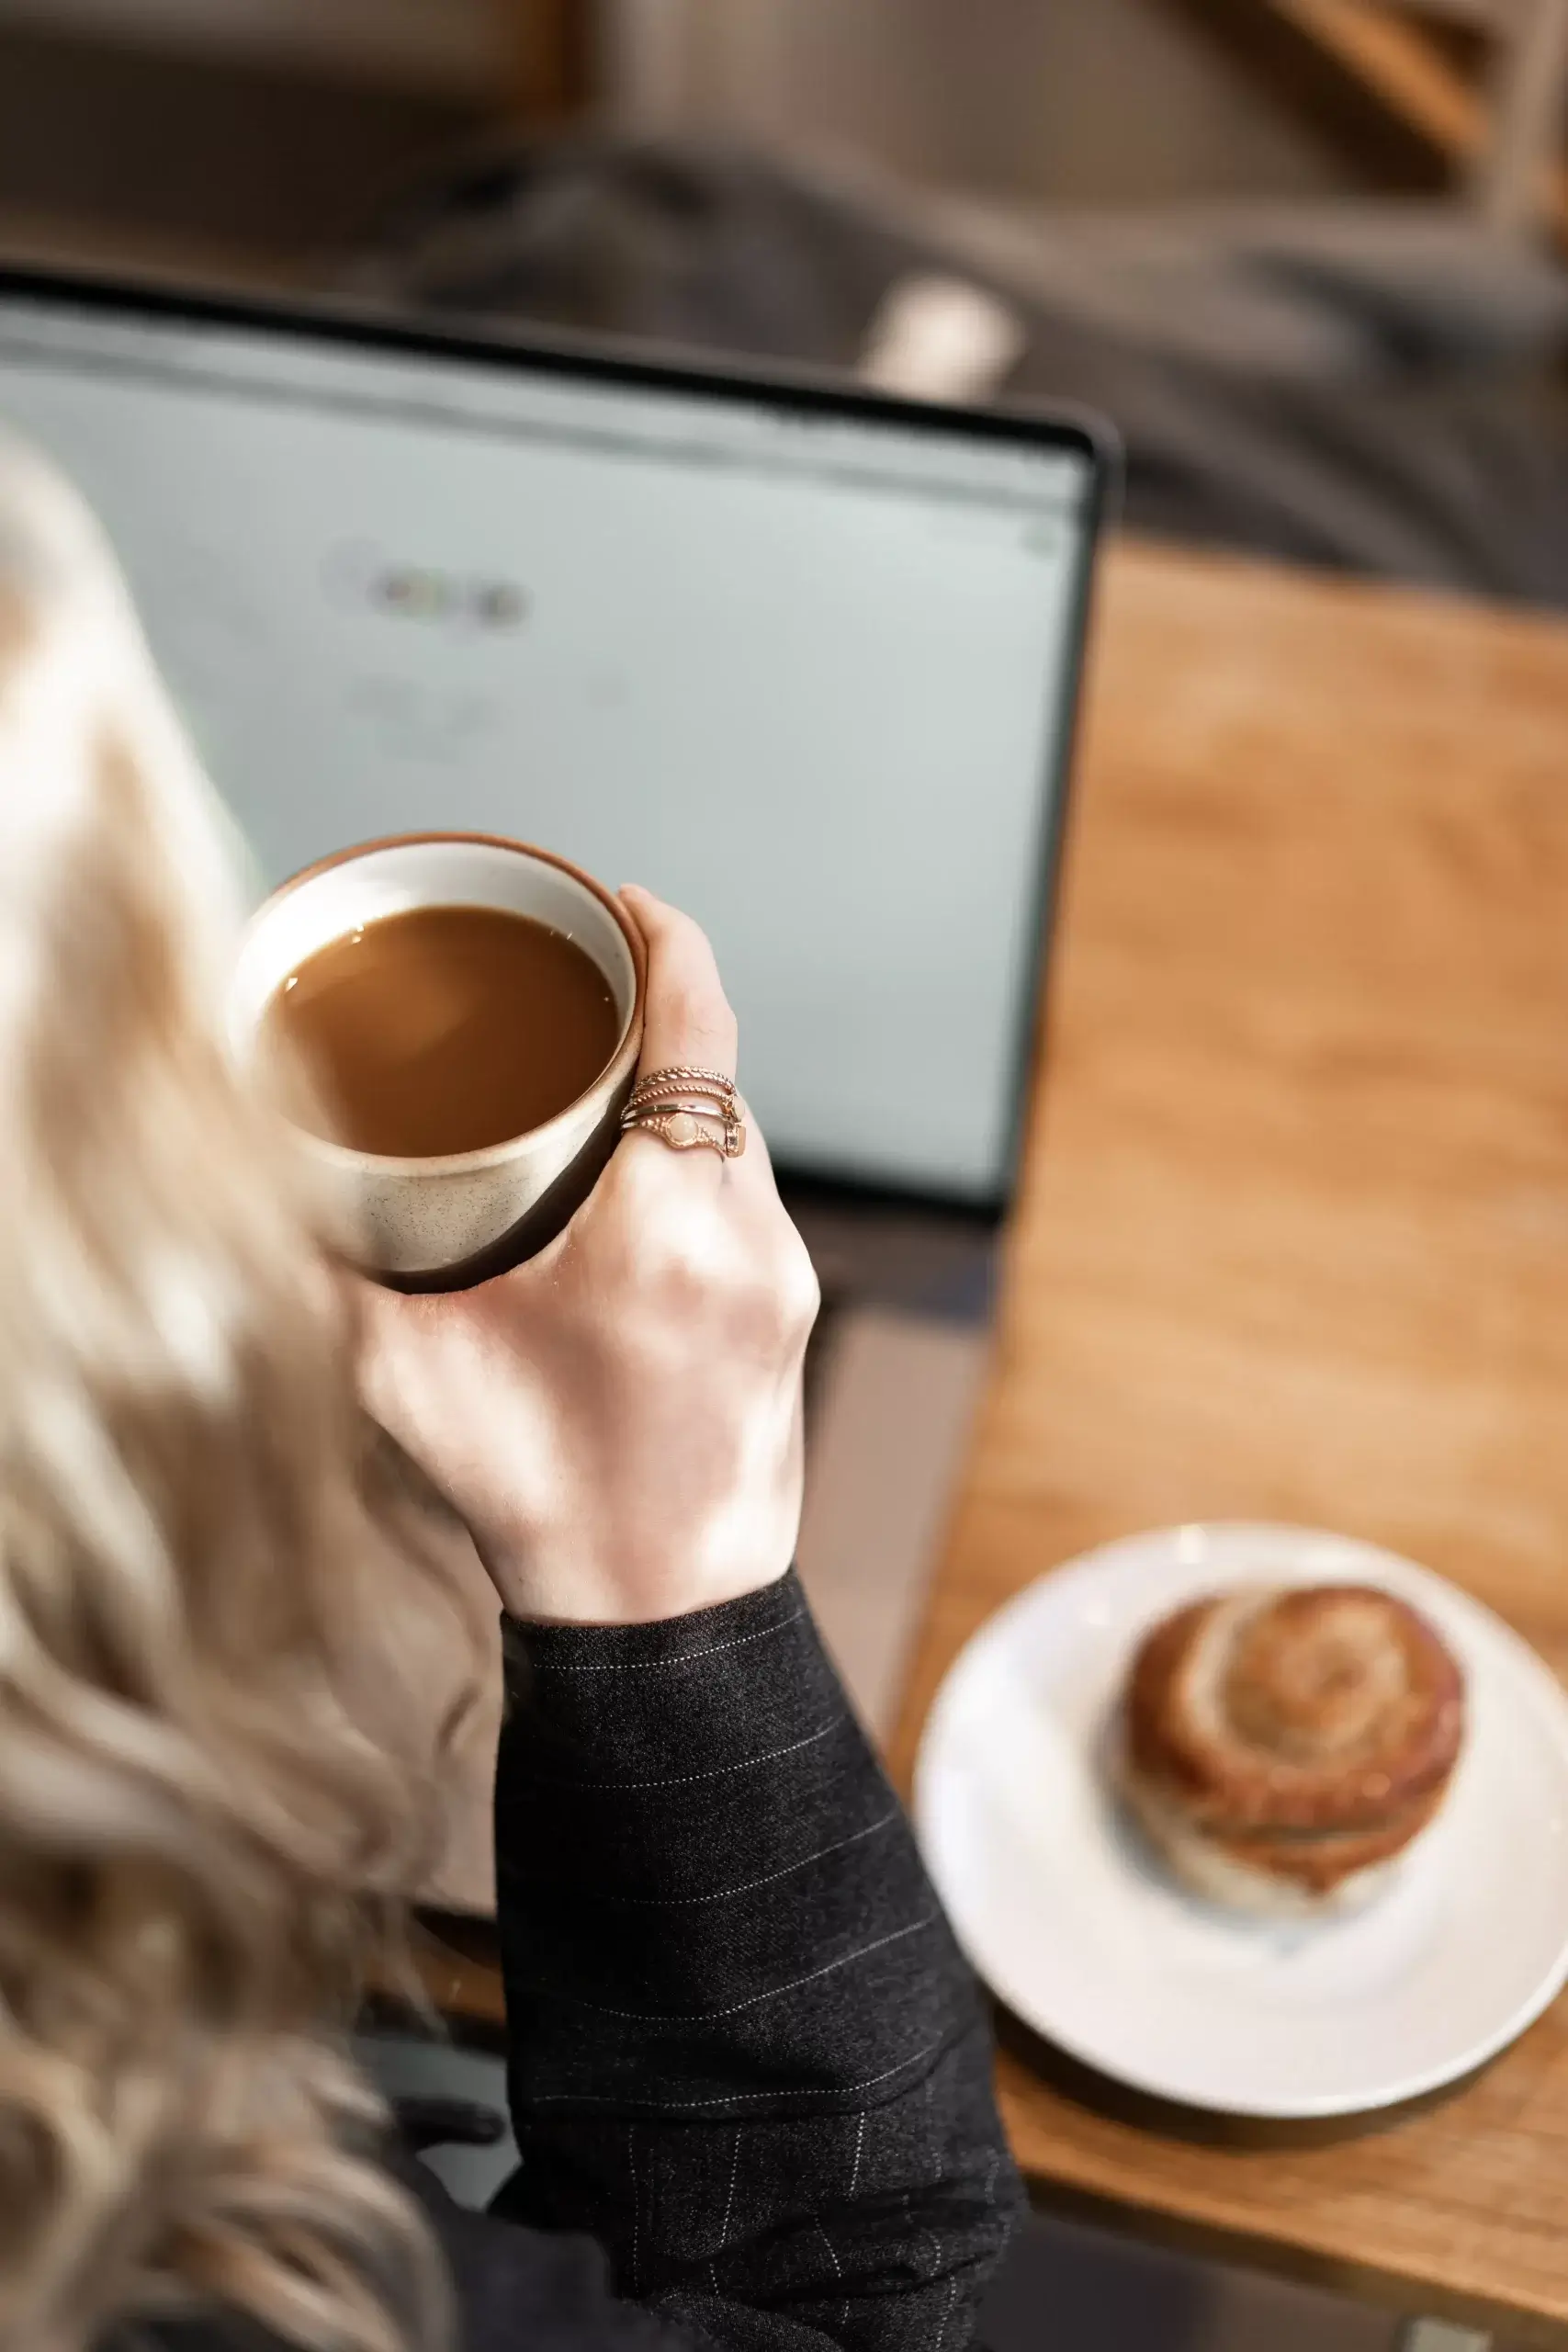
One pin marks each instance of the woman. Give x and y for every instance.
(746, 2060)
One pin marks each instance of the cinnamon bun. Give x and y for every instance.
(1281, 1748)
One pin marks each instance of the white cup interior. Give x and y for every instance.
(405, 874)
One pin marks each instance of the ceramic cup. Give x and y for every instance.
(445, 1223)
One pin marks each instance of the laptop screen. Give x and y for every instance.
(803, 665)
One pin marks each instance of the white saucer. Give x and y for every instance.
(1084, 1939)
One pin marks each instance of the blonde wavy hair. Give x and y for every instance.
(217, 1779)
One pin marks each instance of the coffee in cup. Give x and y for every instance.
(443, 1029)
(458, 1018)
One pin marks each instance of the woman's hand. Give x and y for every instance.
(618, 1420)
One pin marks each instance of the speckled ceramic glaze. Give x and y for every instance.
(442, 1223)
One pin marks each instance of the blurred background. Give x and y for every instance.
(1306, 253)
(252, 130)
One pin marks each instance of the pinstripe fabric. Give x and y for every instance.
(745, 2055)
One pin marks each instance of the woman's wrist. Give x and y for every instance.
(637, 1586)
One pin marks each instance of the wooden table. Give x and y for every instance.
(1293, 1244)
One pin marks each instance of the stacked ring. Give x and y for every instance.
(688, 1109)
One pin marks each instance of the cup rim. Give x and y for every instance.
(492, 1154)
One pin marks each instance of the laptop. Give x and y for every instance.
(804, 660)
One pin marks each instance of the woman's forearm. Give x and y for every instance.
(745, 2052)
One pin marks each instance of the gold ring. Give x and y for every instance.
(664, 1085)
(682, 1105)
(685, 1130)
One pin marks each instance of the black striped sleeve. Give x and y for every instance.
(745, 2052)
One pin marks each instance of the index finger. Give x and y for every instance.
(687, 1023)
